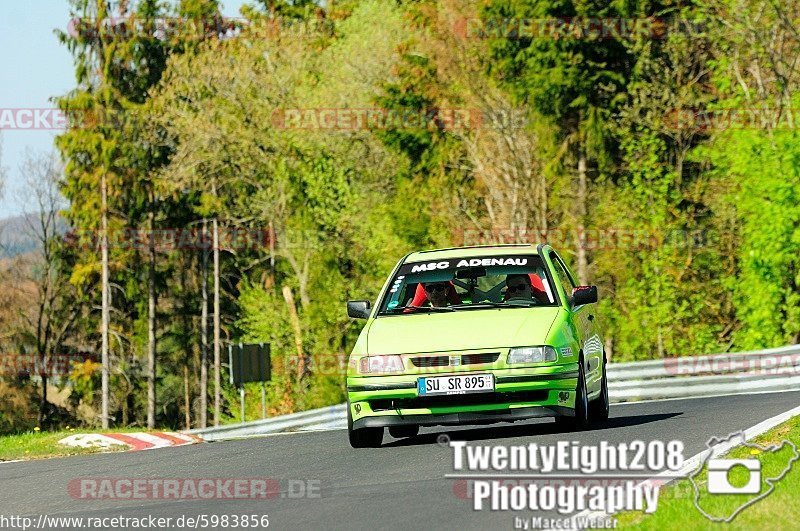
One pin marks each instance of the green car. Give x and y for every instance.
(476, 335)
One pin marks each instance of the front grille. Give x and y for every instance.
(444, 361)
(431, 361)
(473, 399)
(486, 357)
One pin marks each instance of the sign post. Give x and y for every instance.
(250, 363)
(263, 401)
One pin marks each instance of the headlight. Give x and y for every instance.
(378, 364)
(531, 355)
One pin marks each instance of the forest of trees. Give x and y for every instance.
(237, 180)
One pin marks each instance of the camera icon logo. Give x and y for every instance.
(718, 476)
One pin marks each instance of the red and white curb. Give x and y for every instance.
(135, 440)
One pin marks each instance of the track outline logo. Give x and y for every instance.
(771, 481)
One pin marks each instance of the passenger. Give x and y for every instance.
(437, 293)
(519, 287)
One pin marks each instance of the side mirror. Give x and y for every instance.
(358, 309)
(584, 295)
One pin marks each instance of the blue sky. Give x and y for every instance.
(35, 68)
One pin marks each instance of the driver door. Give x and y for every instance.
(585, 323)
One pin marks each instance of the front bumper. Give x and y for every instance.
(453, 419)
(520, 393)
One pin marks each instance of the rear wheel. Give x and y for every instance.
(363, 437)
(600, 406)
(581, 418)
(402, 432)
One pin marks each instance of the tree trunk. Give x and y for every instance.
(298, 338)
(105, 298)
(41, 345)
(608, 347)
(186, 334)
(43, 404)
(151, 322)
(217, 367)
(126, 404)
(204, 337)
(187, 400)
(583, 263)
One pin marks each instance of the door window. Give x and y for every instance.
(563, 276)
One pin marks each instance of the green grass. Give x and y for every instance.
(778, 510)
(40, 445)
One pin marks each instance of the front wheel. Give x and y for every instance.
(363, 437)
(600, 406)
(581, 419)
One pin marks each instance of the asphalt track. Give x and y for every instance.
(398, 486)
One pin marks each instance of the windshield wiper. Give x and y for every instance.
(491, 304)
(482, 304)
(521, 302)
(428, 308)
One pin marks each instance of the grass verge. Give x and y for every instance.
(40, 445)
(778, 510)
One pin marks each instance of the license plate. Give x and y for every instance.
(455, 385)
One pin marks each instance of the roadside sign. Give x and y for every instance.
(249, 363)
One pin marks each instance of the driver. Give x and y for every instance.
(519, 287)
(437, 293)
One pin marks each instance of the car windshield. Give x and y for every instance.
(469, 283)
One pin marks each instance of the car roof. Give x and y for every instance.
(469, 252)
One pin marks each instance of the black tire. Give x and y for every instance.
(600, 406)
(581, 419)
(363, 437)
(402, 432)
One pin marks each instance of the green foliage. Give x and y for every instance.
(765, 167)
(85, 379)
(17, 406)
(693, 232)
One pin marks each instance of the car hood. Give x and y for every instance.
(460, 330)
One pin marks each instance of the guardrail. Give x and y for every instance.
(776, 369)
(293, 422)
(771, 370)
